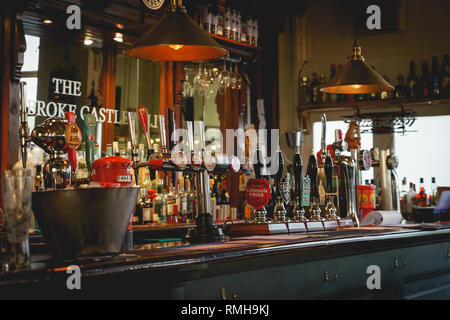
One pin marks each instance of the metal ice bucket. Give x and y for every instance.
(84, 222)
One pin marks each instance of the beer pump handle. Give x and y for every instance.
(72, 153)
(89, 138)
(143, 119)
(24, 134)
(257, 166)
(163, 133)
(298, 167)
(312, 173)
(324, 138)
(329, 172)
(280, 162)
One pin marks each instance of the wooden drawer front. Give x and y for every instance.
(336, 278)
(431, 286)
(278, 283)
(422, 259)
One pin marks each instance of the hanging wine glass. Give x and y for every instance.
(238, 79)
(233, 78)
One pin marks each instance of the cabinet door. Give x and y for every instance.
(344, 277)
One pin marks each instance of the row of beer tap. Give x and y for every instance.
(336, 171)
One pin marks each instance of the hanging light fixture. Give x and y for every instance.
(176, 37)
(357, 77)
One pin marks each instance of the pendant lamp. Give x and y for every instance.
(176, 37)
(357, 77)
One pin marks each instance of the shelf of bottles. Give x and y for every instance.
(229, 26)
(430, 88)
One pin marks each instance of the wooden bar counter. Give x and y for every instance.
(412, 262)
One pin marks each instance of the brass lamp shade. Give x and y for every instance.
(176, 37)
(357, 77)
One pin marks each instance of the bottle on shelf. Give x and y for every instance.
(434, 78)
(412, 81)
(304, 95)
(138, 212)
(219, 28)
(423, 84)
(332, 97)
(445, 77)
(403, 193)
(147, 209)
(171, 203)
(206, 17)
(116, 151)
(400, 90)
(410, 199)
(244, 35)
(314, 89)
(227, 22)
(225, 203)
(433, 192)
(322, 96)
(421, 197)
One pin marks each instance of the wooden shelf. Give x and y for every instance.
(237, 47)
(371, 103)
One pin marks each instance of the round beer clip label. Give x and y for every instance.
(257, 193)
(73, 136)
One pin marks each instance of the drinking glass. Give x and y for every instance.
(17, 190)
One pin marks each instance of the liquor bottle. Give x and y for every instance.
(38, 179)
(386, 95)
(403, 194)
(314, 89)
(332, 97)
(138, 213)
(412, 81)
(244, 36)
(227, 22)
(109, 150)
(421, 197)
(423, 84)
(219, 28)
(400, 90)
(304, 95)
(225, 203)
(214, 19)
(116, 151)
(255, 39)
(249, 24)
(434, 78)
(237, 35)
(322, 95)
(206, 17)
(433, 192)
(160, 205)
(171, 202)
(147, 209)
(445, 77)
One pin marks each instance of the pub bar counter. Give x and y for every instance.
(205, 150)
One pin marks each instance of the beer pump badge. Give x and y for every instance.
(257, 193)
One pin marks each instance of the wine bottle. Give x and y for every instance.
(412, 81)
(434, 78)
